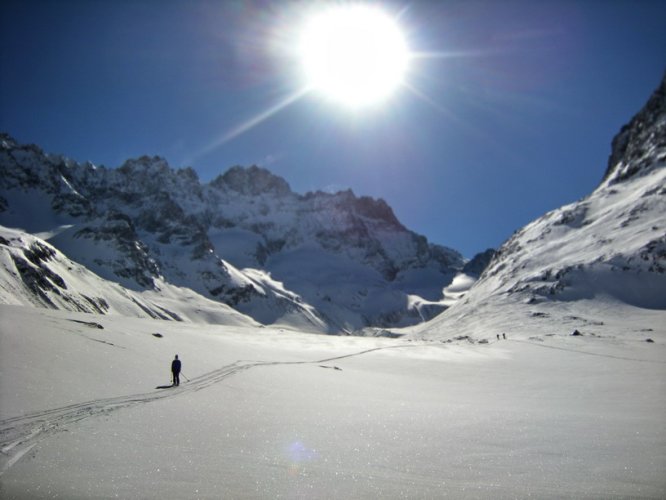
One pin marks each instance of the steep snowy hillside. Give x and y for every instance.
(333, 262)
(571, 267)
(34, 273)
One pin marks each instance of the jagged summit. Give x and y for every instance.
(641, 144)
(7, 141)
(252, 181)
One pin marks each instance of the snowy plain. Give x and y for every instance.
(276, 413)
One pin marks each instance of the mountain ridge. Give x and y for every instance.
(336, 262)
(145, 221)
(604, 252)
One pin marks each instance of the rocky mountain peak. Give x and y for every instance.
(251, 181)
(145, 165)
(641, 143)
(7, 141)
(377, 209)
(152, 175)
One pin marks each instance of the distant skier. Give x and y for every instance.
(503, 336)
(175, 370)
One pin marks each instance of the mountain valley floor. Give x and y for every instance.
(274, 413)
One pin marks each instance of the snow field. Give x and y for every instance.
(280, 414)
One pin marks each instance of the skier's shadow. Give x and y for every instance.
(165, 386)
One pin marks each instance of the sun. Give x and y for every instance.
(354, 55)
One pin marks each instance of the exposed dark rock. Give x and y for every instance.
(39, 280)
(646, 131)
(252, 181)
(479, 262)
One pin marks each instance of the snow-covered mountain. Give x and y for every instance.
(147, 234)
(604, 255)
(34, 273)
(326, 262)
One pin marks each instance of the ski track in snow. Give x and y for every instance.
(19, 435)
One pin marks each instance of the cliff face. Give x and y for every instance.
(639, 146)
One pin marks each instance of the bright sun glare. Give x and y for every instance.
(353, 54)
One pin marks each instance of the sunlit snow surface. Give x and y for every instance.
(270, 413)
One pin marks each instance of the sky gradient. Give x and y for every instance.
(508, 112)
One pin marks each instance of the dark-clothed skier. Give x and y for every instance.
(175, 370)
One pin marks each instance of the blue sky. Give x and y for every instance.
(512, 118)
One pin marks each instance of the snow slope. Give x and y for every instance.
(34, 273)
(278, 414)
(580, 264)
